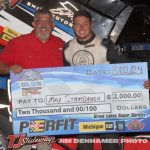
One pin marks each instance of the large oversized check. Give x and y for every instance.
(79, 100)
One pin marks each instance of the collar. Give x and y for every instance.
(34, 35)
(88, 41)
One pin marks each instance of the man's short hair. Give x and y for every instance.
(42, 11)
(84, 13)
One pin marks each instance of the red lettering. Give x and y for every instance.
(13, 138)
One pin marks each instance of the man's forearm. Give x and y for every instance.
(4, 69)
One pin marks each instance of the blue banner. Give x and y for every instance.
(79, 100)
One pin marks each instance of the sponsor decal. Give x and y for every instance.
(36, 126)
(17, 141)
(91, 126)
(31, 82)
(67, 9)
(136, 125)
(120, 125)
(13, 3)
(10, 3)
(6, 37)
(109, 125)
(11, 32)
(64, 14)
(6, 34)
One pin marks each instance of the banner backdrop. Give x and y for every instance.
(79, 100)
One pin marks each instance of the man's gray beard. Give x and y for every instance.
(43, 36)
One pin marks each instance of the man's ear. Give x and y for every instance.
(91, 25)
(53, 25)
(73, 27)
(33, 24)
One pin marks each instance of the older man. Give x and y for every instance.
(38, 49)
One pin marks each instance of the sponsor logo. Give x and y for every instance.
(6, 37)
(109, 125)
(31, 82)
(67, 9)
(11, 32)
(120, 125)
(7, 34)
(136, 125)
(64, 15)
(91, 126)
(17, 141)
(35, 126)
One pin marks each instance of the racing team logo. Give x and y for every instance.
(136, 125)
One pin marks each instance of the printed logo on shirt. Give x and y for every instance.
(60, 48)
(82, 57)
(90, 45)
